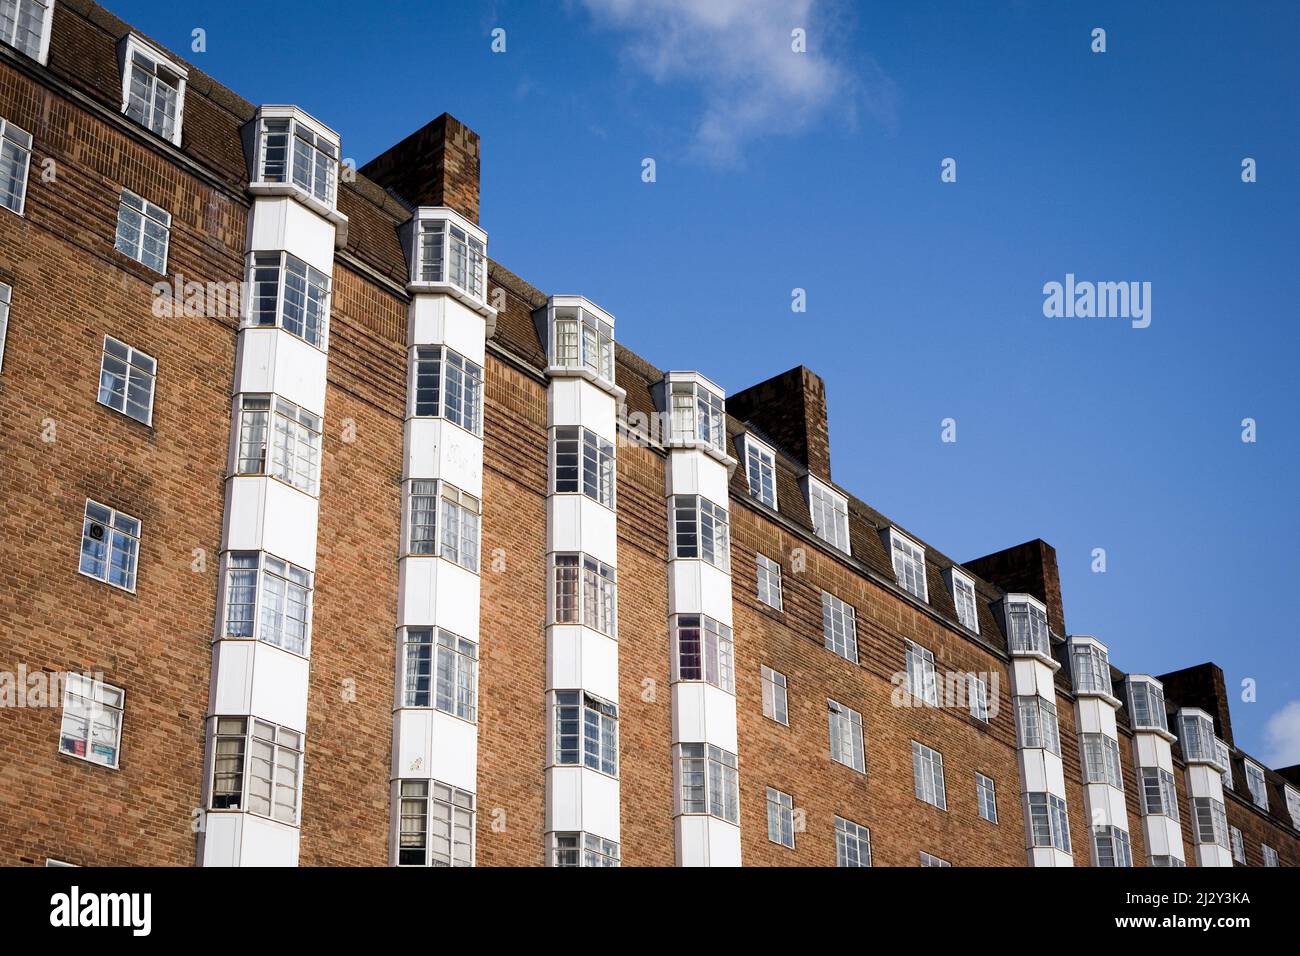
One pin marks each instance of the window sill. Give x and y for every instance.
(701, 682)
(1166, 735)
(581, 371)
(94, 763)
(246, 326)
(116, 587)
(464, 297)
(437, 557)
(695, 444)
(443, 418)
(307, 199)
(1039, 656)
(313, 495)
(1100, 695)
(253, 813)
(430, 709)
(305, 655)
(585, 627)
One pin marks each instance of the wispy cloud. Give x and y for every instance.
(738, 54)
(1282, 736)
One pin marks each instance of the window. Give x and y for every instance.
(278, 438)
(978, 692)
(582, 463)
(1112, 846)
(1027, 624)
(1091, 669)
(585, 593)
(987, 795)
(963, 596)
(142, 231)
(1164, 860)
(1036, 720)
(852, 844)
(436, 825)
(92, 720)
(830, 514)
(286, 293)
(709, 781)
(760, 467)
(1293, 806)
(775, 705)
(448, 251)
(1238, 846)
(1159, 796)
(258, 771)
(704, 651)
(780, 818)
(909, 565)
(5, 294)
(153, 90)
(927, 769)
(1270, 855)
(698, 415)
(15, 157)
(769, 581)
(1101, 760)
(24, 25)
(1256, 784)
(126, 380)
(1225, 762)
(441, 673)
(1049, 823)
(586, 731)
(839, 627)
(929, 859)
(1198, 738)
(110, 546)
(846, 736)
(582, 339)
(460, 527)
(922, 684)
(269, 599)
(1211, 820)
(583, 849)
(700, 530)
(291, 152)
(1146, 705)
(450, 386)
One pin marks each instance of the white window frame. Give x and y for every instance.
(16, 149)
(769, 581)
(977, 694)
(1028, 630)
(594, 592)
(1037, 725)
(132, 46)
(1049, 821)
(135, 216)
(844, 728)
(297, 137)
(451, 528)
(852, 844)
(986, 797)
(92, 713)
(1112, 846)
(830, 513)
(450, 252)
(1197, 737)
(273, 581)
(839, 627)
(41, 53)
(908, 560)
(1090, 668)
(1159, 793)
(278, 439)
(929, 859)
(139, 372)
(701, 531)
(1100, 760)
(1270, 855)
(439, 672)
(1209, 822)
(118, 532)
(965, 599)
(582, 339)
(697, 415)
(1257, 784)
(591, 711)
(760, 471)
(922, 679)
(776, 701)
(456, 384)
(453, 829)
(780, 818)
(1146, 704)
(927, 776)
(1224, 753)
(714, 651)
(282, 741)
(578, 849)
(1292, 804)
(6, 297)
(583, 463)
(718, 787)
(316, 293)
(1238, 845)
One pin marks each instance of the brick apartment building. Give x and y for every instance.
(401, 560)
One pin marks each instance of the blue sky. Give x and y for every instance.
(821, 171)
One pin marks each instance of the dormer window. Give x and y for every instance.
(449, 249)
(1026, 625)
(579, 337)
(1146, 704)
(25, 26)
(760, 468)
(698, 415)
(153, 88)
(909, 564)
(1257, 785)
(830, 514)
(963, 597)
(1090, 666)
(1293, 806)
(290, 151)
(1225, 762)
(1197, 733)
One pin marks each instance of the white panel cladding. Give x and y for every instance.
(232, 838)
(441, 320)
(694, 472)
(1048, 856)
(1094, 716)
(697, 587)
(706, 841)
(704, 713)
(1164, 836)
(575, 401)
(1041, 770)
(435, 448)
(265, 514)
(577, 656)
(256, 679)
(582, 799)
(1152, 750)
(436, 592)
(1211, 854)
(430, 744)
(1031, 676)
(578, 523)
(282, 224)
(1203, 781)
(1105, 805)
(273, 360)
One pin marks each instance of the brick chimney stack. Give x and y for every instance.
(790, 409)
(1202, 687)
(1028, 568)
(437, 165)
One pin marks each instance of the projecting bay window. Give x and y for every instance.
(1027, 626)
(582, 463)
(698, 415)
(1159, 795)
(267, 599)
(922, 684)
(435, 825)
(830, 514)
(582, 340)
(1112, 846)
(449, 250)
(290, 152)
(25, 26)
(963, 598)
(284, 292)
(1037, 725)
(1049, 822)
(448, 385)
(909, 565)
(700, 530)
(584, 591)
(444, 522)
(1090, 667)
(1166, 860)
(1146, 705)
(440, 670)
(1101, 760)
(1257, 785)
(279, 439)
(1210, 821)
(143, 231)
(92, 720)
(703, 650)
(15, 158)
(256, 767)
(839, 627)
(583, 849)
(760, 468)
(1198, 738)
(110, 546)
(153, 88)
(585, 732)
(708, 781)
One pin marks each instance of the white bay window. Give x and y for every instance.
(278, 438)
(285, 292)
(256, 767)
(267, 599)
(703, 651)
(584, 591)
(435, 824)
(701, 530)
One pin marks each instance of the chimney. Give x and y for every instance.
(1028, 568)
(437, 165)
(1202, 687)
(790, 409)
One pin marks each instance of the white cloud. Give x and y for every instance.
(1282, 736)
(738, 53)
